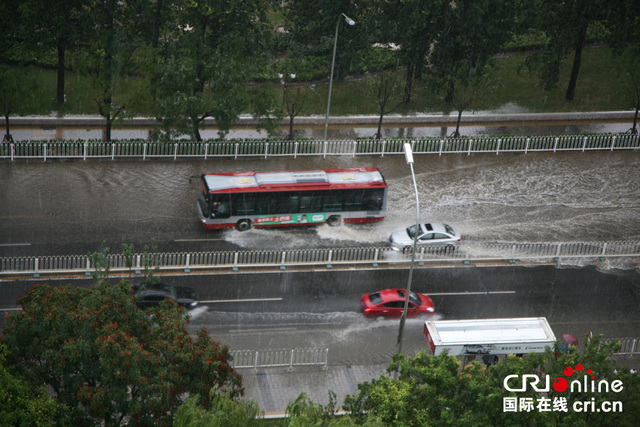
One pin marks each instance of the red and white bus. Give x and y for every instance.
(284, 198)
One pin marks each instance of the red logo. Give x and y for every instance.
(561, 384)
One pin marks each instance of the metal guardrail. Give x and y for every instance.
(143, 149)
(629, 346)
(282, 259)
(273, 358)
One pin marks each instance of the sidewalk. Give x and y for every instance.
(419, 119)
(274, 388)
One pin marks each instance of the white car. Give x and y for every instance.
(431, 234)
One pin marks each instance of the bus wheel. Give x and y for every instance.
(243, 225)
(334, 220)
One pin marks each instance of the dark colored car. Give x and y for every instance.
(390, 303)
(152, 294)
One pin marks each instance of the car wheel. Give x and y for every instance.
(243, 225)
(449, 249)
(334, 220)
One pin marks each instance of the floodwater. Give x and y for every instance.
(535, 197)
(335, 131)
(509, 198)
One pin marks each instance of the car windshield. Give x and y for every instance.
(413, 297)
(411, 231)
(449, 229)
(169, 290)
(375, 298)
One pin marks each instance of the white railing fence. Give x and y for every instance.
(557, 252)
(143, 149)
(272, 358)
(628, 346)
(314, 356)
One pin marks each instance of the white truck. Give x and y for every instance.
(489, 336)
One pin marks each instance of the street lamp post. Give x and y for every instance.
(408, 154)
(333, 62)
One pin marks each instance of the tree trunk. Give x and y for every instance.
(408, 85)
(107, 130)
(60, 84)
(456, 134)
(196, 131)
(291, 127)
(571, 89)
(634, 129)
(156, 24)
(7, 135)
(379, 133)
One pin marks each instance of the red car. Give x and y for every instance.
(390, 303)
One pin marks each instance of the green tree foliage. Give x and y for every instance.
(428, 390)
(412, 25)
(624, 37)
(223, 412)
(57, 25)
(566, 24)
(209, 64)
(304, 412)
(107, 52)
(469, 34)
(101, 263)
(22, 404)
(109, 362)
(16, 87)
(310, 27)
(386, 89)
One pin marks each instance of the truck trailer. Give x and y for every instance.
(489, 336)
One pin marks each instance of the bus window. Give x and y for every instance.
(282, 203)
(293, 204)
(244, 203)
(374, 199)
(220, 206)
(310, 202)
(332, 202)
(353, 200)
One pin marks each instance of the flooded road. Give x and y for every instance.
(427, 125)
(72, 207)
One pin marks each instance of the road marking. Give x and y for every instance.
(6, 245)
(213, 301)
(11, 309)
(196, 240)
(243, 331)
(471, 293)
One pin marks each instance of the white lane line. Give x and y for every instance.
(6, 245)
(260, 330)
(470, 293)
(213, 301)
(11, 309)
(196, 240)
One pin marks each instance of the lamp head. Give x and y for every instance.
(408, 153)
(349, 20)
